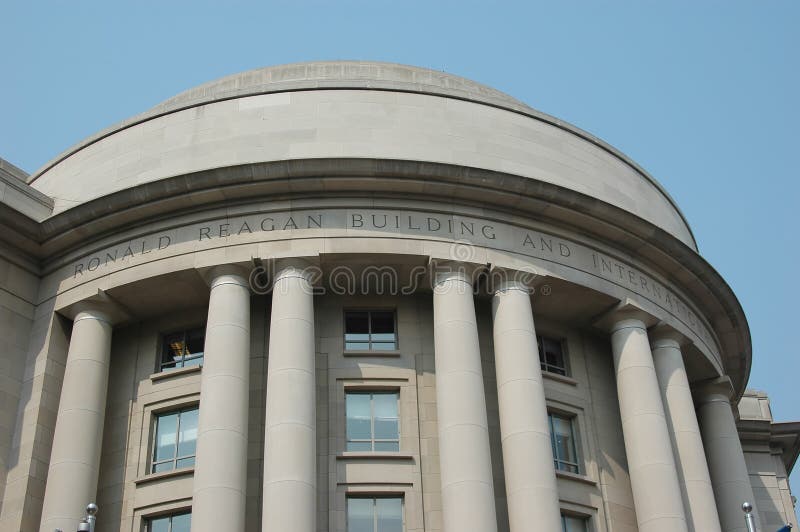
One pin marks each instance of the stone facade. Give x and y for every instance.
(558, 353)
(770, 451)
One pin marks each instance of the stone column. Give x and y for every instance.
(698, 495)
(531, 487)
(651, 465)
(726, 464)
(465, 458)
(75, 458)
(290, 453)
(220, 476)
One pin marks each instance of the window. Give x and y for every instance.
(374, 514)
(562, 437)
(372, 421)
(571, 523)
(369, 330)
(182, 349)
(175, 440)
(170, 523)
(551, 355)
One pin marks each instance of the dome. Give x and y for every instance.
(462, 122)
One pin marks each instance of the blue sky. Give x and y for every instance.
(702, 94)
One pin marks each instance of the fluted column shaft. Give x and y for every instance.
(651, 465)
(220, 477)
(465, 458)
(75, 457)
(698, 495)
(531, 488)
(726, 464)
(290, 454)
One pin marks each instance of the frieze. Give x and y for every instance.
(345, 222)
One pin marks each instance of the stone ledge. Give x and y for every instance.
(367, 353)
(170, 373)
(164, 475)
(559, 378)
(575, 476)
(353, 455)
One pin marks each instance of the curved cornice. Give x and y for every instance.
(509, 193)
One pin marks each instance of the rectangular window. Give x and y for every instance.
(570, 523)
(562, 437)
(182, 349)
(374, 514)
(369, 330)
(373, 423)
(170, 523)
(175, 439)
(551, 355)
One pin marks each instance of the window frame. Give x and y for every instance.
(587, 520)
(147, 521)
(162, 351)
(557, 461)
(372, 441)
(374, 498)
(544, 365)
(369, 340)
(152, 463)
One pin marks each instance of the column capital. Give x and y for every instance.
(625, 314)
(505, 279)
(663, 335)
(306, 267)
(443, 270)
(100, 306)
(211, 273)
(719, 389)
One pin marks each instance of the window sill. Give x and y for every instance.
(155, 477)
(368, 353)
(575, 476)
(378, 455)
(559, 378)
(170, 373)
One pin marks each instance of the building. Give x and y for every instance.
(302, 298)
(770, 451)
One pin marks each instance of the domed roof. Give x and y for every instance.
(340, 75)
(359, 75)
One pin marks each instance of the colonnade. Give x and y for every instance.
(686, 468)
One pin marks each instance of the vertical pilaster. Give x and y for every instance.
(698, 495)
(290, 455)
(465, 458)
(726, 464)
(220, 478)
(75, 457)
(531, 487)
(651, 465)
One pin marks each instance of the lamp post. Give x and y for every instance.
(748, 517)
(91, 512)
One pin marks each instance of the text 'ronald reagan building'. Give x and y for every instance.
(366, 297)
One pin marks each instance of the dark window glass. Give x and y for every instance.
(174, 440)
(551, 355)
(170, 523)
(373, 423)
(570, 523)
(379, 514)
(369, 330)
(182, 349)
(562, 438)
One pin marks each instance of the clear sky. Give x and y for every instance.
(703, 94)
